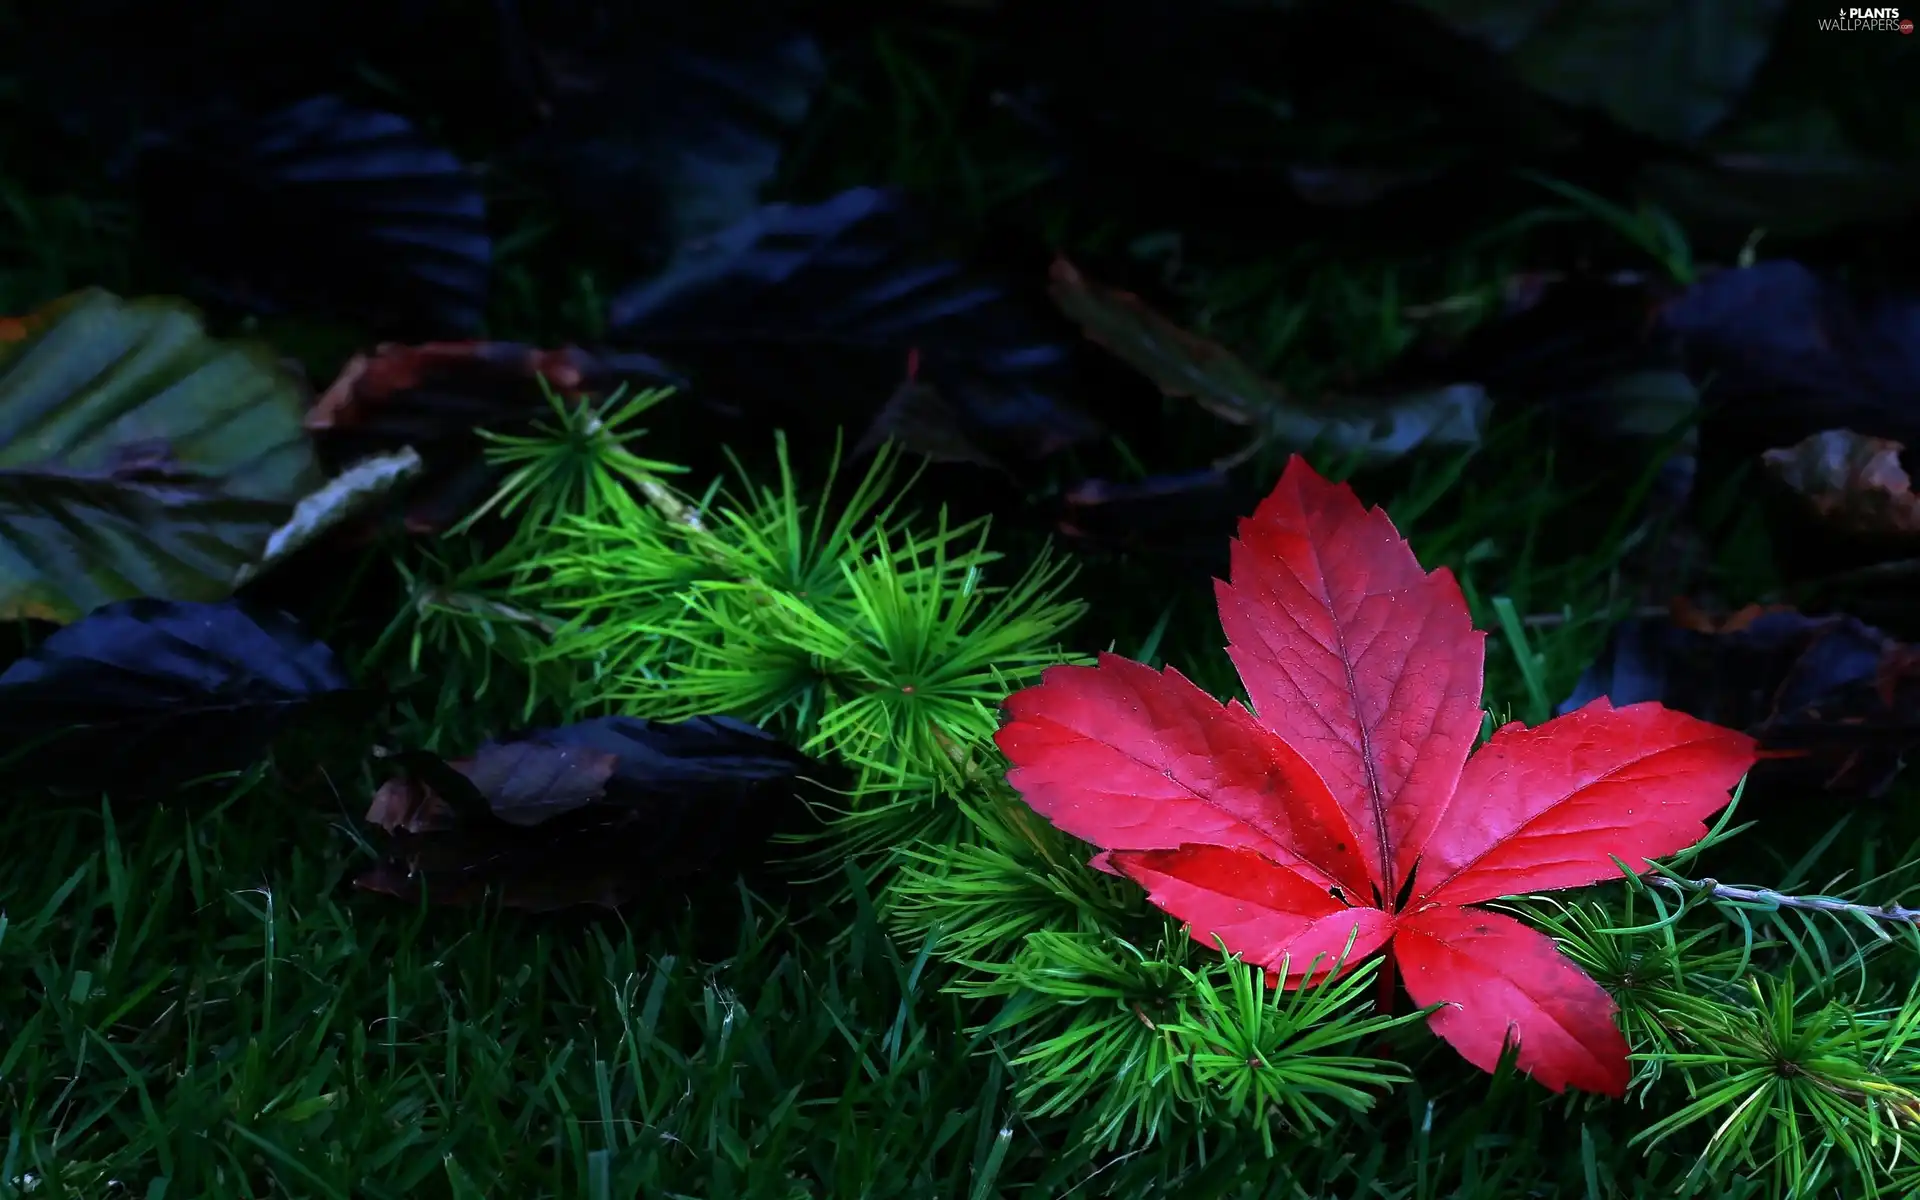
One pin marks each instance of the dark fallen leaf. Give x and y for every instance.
(1183, 364)
(1853, 483)
(139, 457)
(521, 783)
(663, 124)
(142, 695)
(918, 420)
(808, 312)
(600, 812)
(1786, 354)
(434, 397)
(1672, 71)
(328, 207)
(1841, 695)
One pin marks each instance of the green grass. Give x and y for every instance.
(194, 1002)
(197, 1005)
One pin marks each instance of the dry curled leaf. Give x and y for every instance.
(1852, 481)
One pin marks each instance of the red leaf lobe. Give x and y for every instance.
(1369, 666)
(1550, 807)
(1260, 909)
(1129, 758)
(1500, 979)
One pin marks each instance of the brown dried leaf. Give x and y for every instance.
(393, 370)
(918, 420)
(410, 805)
(1184, 364)
(432, 398)
(1852, 481)
(1181, 364)
(525, 783)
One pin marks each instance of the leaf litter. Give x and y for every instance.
(142, 695)
(596, 813)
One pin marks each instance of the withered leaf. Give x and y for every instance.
(325, 205)
(1843, 696)
(918, 420)
(1183, 364)
(1787, 353)
(1852, 481)
(141, 695)
(523, 783)
(598, 812)
(432, 397)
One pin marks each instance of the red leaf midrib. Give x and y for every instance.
(1376, 794)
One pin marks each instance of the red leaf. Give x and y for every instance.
(1550, 807)
(1265, 911)
(1364, 663)
(1500, 979)
(1271, 833)
(1129, 758)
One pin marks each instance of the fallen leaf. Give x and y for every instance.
(433, 397)
(1184, 365)
(1786, 354)
(139, 457)
(598, 812)
(1841, 697)
(807, 311)
(918, 420)
(523, 783)
(1345, 808)
(1853, 482)
(325, 206)
(1181, 364)
(336, 503)
(142, 695)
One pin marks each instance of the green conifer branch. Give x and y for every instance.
(887, 643)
